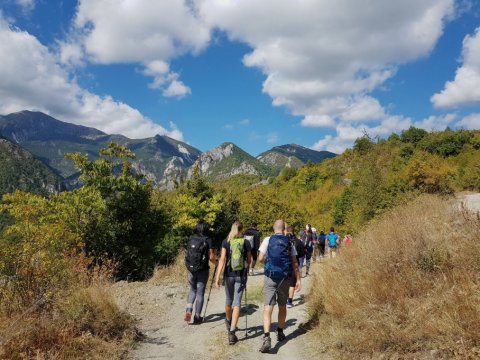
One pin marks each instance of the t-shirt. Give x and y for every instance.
(264, 247)
(256, 237)
(228, 270)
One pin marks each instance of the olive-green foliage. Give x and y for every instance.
(413, 135)
(132, 226)
(445, 143)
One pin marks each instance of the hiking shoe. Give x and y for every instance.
(228, 323)
(266, 344)
(232, 338)
(289, 304)
(250, 273)
(187, 317)
(280, 336)
(197, 320)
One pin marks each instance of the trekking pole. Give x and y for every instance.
(246, 312)
(210, 291)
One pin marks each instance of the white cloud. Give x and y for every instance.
(176, 89)
(465, 88)
(165, 79)
(31, 78)
(138, 31)
(244, 122)
(469, 122)
(347, 133)
(321, 58)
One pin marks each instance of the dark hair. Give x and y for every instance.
(290, 229)
(254, 225)
(332, 229)
(322, 233)
(202, 228)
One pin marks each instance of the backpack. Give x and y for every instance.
(251, 240)
(196, 258)
(300, 248)
(279, 264)
(332, 239)
(237, 250)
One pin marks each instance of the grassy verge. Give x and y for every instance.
(408, 284)
(82, 323)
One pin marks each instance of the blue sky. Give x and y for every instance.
(317, 73)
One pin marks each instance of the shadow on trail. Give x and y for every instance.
(257, 331)
(214, 317)
(155, 341)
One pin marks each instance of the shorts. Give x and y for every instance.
(234, 287)
(270, 286)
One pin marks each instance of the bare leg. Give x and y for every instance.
(282, 316)
(235, 317)
(267, 317)
(228, 312)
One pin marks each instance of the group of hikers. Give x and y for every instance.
(283, 255)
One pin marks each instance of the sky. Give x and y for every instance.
(318, 73)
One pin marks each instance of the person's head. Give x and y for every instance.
(322, 232)
(290, 229)
(202, 228)
(314, 230)
(279, 227)
(254, 225)
(332, 229)
(236, 231)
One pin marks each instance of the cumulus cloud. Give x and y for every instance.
(465, 88)
(470, 122)
(321, 58)
(31, 78)
(141, 31)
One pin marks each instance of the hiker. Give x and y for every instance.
(307, 238)
(253, 236)
(321, 238)
(315, 253)
(234, 260)
(298, 244)
(347, 240)
(199, 252)
(280, 259)
(332, 242)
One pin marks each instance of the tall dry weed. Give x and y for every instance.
(409, 282)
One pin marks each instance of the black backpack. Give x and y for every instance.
(197, 254)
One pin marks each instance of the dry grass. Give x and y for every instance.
(173, 273)
(80, 324)
(409, 283)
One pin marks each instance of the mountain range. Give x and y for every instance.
(161, 159)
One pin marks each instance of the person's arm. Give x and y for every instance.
(262, 251)
(211, 256)
(298, 285)
(221, 265)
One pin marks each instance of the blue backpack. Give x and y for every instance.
(332, 239)
(279, 263)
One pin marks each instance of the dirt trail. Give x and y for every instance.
(159, 310)
(470, 201)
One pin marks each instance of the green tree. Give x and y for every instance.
(134, 225)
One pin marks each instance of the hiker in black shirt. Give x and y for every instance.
(253, 236)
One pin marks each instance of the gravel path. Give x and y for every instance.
(159, 310)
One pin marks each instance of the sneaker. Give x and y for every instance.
(289, 304)
(280, 336)
(197, 320)
(187, 317)
(250, 273)
(232, 338)
(228, 323)
(266, 344)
